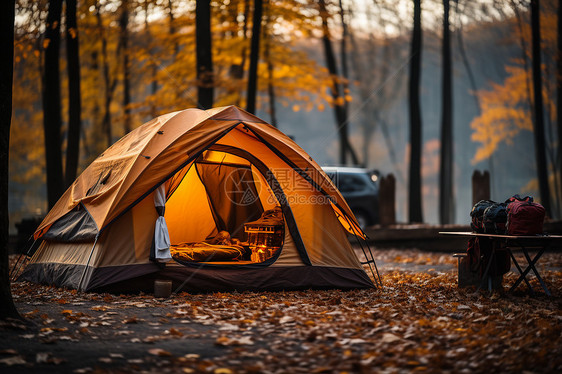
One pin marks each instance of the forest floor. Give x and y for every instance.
(420, 321)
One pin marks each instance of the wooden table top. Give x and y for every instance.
(503, 236)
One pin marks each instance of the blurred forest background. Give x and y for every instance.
(335, 75)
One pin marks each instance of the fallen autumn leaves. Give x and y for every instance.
(420, 321)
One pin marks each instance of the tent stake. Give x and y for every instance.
(87, 263)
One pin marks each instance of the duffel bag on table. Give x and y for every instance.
(525, 218)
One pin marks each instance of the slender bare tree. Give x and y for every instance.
(446, 170)
(414, 191)
(254, 57)
(52, 118)
(270, 68)
(109, 83)
(205, 78)
(124, 41)
(540, 146)
(559, 97)
(74, 101)
(336, 90)
(7, 16)
(153, 66)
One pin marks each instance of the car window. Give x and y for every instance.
(350, 183)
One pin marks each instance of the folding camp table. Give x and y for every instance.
(509, 242)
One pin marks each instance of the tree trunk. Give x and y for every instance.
(559, 99)
(345, 84)
(373, 104)
(271, 89)
(369, 120)
(153, 69)
(254, 57)
(343, 55)
(270, 79)
(124, 40)
(108, 84)
(526, 67)
(205, 79)
(540, 146)
(466, 63)
(339, 100)
(52, 119)
(238, 70)
(414, 192)
(74, 104)
(446, 195)
(472, 81)
(176, 48)
(7, 15)
(172, 28)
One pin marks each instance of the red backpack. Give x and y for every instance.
(479, 253)
(525, 218)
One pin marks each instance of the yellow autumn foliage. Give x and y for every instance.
(162, 61)
(504, 113)
(506, 107)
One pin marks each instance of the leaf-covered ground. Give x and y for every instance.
(419, 322)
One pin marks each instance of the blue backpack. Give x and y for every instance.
(477, 215)
(494, 219)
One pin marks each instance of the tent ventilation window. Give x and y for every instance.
(102, 181)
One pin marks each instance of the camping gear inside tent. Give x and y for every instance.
(212, 200)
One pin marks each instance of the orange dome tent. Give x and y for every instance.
(181, 179)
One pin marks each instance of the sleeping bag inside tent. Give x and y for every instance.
(213, 200)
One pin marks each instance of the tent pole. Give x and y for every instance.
(87, 263)
(374, 262)
(369, 261)
(364, 252)
(15, 271)
(372, 256)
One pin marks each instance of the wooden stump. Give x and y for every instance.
(480, 186)
(387, 200)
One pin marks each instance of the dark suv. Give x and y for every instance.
(360, 189)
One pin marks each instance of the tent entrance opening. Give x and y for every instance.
(221, 210)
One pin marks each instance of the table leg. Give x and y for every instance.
(522, 277)
(532, 266)
(485, 276)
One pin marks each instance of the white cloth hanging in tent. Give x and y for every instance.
(161, 236)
